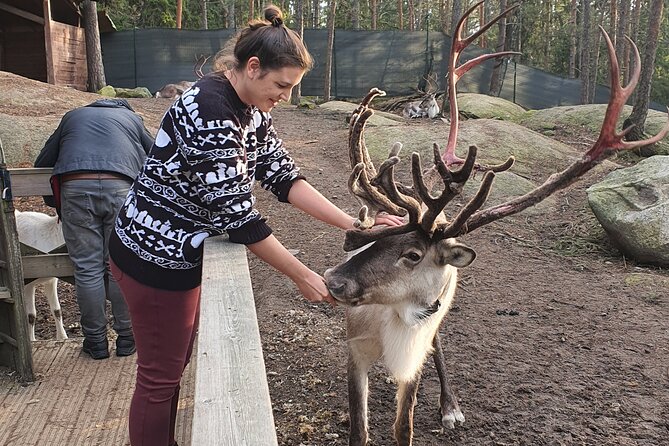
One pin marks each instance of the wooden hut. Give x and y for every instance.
(44, 40)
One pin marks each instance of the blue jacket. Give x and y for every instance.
(106, 135)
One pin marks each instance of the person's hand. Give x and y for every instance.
(384, 218)
(313, 288)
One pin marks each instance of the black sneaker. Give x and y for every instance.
(125, 345)
(97, 350)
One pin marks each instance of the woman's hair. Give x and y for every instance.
(274, 44)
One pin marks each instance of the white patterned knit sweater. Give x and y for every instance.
(198, 181)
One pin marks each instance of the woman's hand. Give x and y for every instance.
(384, 218)
(312, 286)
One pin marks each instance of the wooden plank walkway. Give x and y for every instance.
(77, 401)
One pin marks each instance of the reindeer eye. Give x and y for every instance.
(413, 256)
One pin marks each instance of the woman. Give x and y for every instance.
(213, 143)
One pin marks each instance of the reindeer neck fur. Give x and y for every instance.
(396, 333)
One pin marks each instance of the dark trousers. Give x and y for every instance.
(164, 324)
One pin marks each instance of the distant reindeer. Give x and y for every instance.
(428, 107)
(399, 282)
(173, 91)
(43, 233)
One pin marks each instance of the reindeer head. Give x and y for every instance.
(414, 262)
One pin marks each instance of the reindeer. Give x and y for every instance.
(426, 107)
(43, 233)
(174, 91)
(399, 282)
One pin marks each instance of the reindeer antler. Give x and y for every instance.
(199, 64)
(456, 72)
(609, 141)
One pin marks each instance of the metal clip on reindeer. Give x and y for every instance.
(399, 288)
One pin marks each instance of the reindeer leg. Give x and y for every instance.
(51, 291)
(357, 399)
(29, 307)
(406, 401)
(448, 404)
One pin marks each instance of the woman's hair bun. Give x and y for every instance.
(273, 15)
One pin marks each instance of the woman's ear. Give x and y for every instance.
(253, 67)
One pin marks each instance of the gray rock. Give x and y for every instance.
(632, 205)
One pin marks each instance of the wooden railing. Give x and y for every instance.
(232, 402)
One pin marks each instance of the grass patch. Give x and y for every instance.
(579, 237)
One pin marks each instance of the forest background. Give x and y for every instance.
(557, 36)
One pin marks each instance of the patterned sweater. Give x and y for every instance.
(197, 181)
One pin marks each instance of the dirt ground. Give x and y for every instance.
(554, 337)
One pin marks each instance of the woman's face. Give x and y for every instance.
(266, 88)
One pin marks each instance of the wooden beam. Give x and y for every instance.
(19, 12)
(14, 324)
(30, 181)
(6, 295)
(232, 404)
(8, 339)
(47, 265)
(50, 71)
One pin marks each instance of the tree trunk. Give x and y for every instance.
(374, 13)
(179, 12)
(640, 109)
(315, 17)
(634, 35)
(498, 72)
(330, 51)
(573, 36)
(613, 30)
(400, 14)
(411, 15)
(621, 31)
(355, 14)
(252, 12)
(594, 55)
(482, 39)
(205, 23)
(299, 28)
(547, 20)
(456, 13)
(443, 15)
(585, 53)
(96, 69)
(232, 16)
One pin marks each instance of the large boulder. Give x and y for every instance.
(632, 205)
(483, 106)
(589, 117)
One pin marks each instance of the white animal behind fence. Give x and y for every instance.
(428, 107)
(425, 108)
(43, 233)
(173, 91)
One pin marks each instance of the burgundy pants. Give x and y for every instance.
(164, 324)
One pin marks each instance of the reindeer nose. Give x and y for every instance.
(337, 288)
(335, 284)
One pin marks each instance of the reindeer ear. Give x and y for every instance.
(453, 253)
